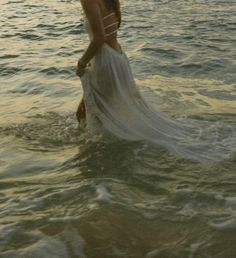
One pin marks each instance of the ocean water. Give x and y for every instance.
(64, 195)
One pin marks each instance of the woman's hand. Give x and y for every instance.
(81, 68)
(80, 71)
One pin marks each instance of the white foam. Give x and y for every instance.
(195, 247)
(103, 194)
(219, 197)
(187, 210)
(149, 215)
(153, 254)
(231, 202)
(64, 219)
(229, 224)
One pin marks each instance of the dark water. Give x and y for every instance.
(64, 194)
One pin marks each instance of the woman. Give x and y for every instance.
(112, 101)
(104, 18)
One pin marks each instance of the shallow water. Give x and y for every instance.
(66, 194)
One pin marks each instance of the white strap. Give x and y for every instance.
(107, 16)
(108, 26)
(108, 34)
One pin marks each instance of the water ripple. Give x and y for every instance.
(67, 194)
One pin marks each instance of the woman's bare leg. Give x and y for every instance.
(81, 111)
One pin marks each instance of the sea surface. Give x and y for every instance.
(66, 195)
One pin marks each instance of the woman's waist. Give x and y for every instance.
(114, 44)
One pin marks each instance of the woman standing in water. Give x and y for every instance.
(112, 102)
(104, 18)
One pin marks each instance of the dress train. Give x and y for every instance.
(113, 103)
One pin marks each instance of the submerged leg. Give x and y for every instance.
(81, 111)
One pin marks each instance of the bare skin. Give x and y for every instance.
(95, 10)
(81, 111)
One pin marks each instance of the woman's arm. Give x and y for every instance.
(94, 17)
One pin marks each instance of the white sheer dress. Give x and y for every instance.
(114, 104)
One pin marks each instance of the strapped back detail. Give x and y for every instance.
(110, 25)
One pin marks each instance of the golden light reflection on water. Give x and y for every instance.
(19, 109)
(177, 96)
(188, 96)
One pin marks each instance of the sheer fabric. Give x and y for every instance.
(113, 103)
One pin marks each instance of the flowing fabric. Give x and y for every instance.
(113, 103)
